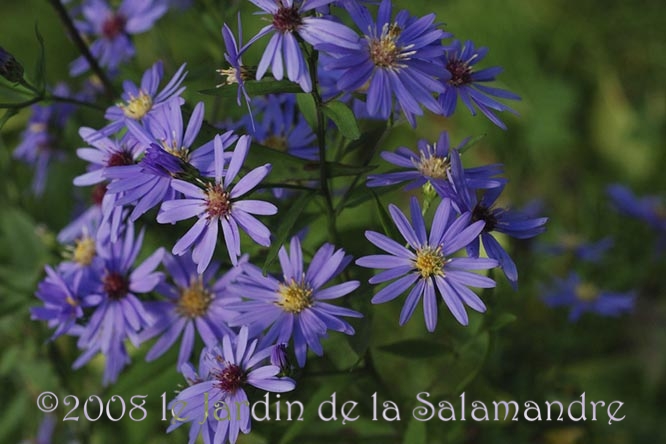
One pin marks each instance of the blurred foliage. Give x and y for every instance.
(593, 112)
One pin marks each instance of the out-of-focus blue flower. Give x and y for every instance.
(500, 220)
(650, 209)
(399, 58)
(63, 301)
(293, 306)
(427, 263)
(289, 19)
(586, 251)
(586, 297)
(224, 374)
(120, 314)
(467, 84)
(112, 28)
(140, 103)
(40, 142)
(196, 303)
(218, 204)
(431, 164)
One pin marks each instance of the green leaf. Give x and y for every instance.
(416, 348)
(344, 119)
(255, 88)
(335, 169)
(41, 61)
(416, 432)
(284, 230)
(308, 108)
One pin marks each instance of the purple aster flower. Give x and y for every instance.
(195, 303)
(398, 58)
(468, 84)
(63, 302)
(224, 374)
(120, 314)
(147, 183)
(427, 263)
(279, 358)
(293, 306)
(283, 51)
(140, 103)
(650, 209)
(431, 164)
(499, 220)
(167, 129)
(86, 219)
(217, 203)
(586, 297)
(113, 28)
(105, 153)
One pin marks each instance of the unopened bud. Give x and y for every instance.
(10, 68)
(280, 359)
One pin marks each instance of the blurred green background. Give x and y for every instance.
(591, 74)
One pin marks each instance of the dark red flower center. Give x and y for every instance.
(485, 214)
(113, 25)
(287, 19)
(115, 285)
(120, 158)
(98, 193)
(231, 378)
(461, 73)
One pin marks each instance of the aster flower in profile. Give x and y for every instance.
(650, 209)
(237, 73)
(195, 303)
(294, 306)
(432, 165)
(63, 301)
(497, 219)
(427, 263)
(120, 314)
(225, 372)
(584, 297)
(460, 80)
(140, 102)
(398, 58)
(218, 204)
(113, 28)
(289, 20)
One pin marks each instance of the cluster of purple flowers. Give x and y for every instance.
(152, 160)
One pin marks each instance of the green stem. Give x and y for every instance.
(321, 142)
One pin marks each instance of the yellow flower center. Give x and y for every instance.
(586, 292)
(430, 261)
(384, 50)
(178, 151)
(294, 297)
(433, 166)
(137, 107)
(194, 300)
(71, 301)
(37, 127)
(84, 251)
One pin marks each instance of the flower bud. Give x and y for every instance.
(280, 359)
(10, 68)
